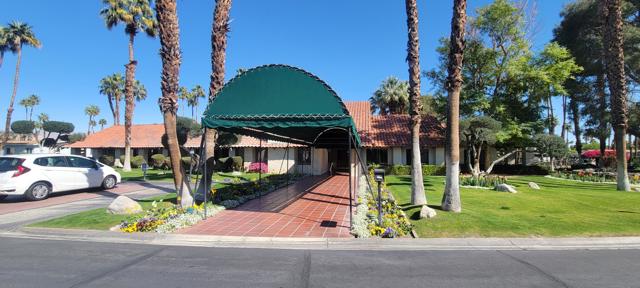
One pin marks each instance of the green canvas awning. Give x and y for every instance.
(281, 103)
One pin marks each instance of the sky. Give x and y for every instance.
(352, 45)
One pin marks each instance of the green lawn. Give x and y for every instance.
(560, 208)
(98, 219)
(167, 175)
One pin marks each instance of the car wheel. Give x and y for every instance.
(109, 182)
(38, 191)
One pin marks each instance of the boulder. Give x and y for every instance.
(123, 205)
(427, 212)
(506, 188)
(534, 186)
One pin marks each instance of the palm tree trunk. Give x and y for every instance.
(613, 40)
(552, 118)
(219, 30)
(451, 197)
(577, 130)
(113, 110)
(16, 79)
(170, 53)
(128, 112)
(418, 196)
(563, 133)
(116, 113)
(602, 129)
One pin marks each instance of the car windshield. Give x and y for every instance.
(9, 164)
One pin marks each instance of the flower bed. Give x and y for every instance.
(235, 195)
(365, 221)
(593, 176)
(485, 181)
(167, 218)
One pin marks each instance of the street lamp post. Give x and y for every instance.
(378, 175)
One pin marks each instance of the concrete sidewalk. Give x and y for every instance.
(405, 244)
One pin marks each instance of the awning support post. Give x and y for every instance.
(260, 168)
(350, 192)
(206, 184)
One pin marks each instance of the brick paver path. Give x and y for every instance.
(17, 204)
(300, 210)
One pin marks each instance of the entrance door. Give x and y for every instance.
(339, 160)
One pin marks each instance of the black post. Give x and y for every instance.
(206, 183)
(350, 195)
(287, 168)
(260, 168)
(379, 204)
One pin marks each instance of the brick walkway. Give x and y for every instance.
(300, 210)
(17, 204)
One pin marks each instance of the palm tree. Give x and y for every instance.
(42, 117)
(194, 100)
(183, 95)
(137, 16)
(34, 100)
(26, 103)
(219, 30)
(18, 34)
(112, 86)
(170, 53)
(102, 122)
(451, 197)
(92, 111)
(4, 44)
(392, 97)
(614, 67)
(139, 91)
(418, 196)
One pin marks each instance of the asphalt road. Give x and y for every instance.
(51, 263)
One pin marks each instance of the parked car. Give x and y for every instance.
(36, 176)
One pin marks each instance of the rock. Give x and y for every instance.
(534, 186)
(427, 212)
(506, 188)
(117, 163)
(123, 205)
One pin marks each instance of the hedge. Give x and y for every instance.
(521, 169)
(136, 161)
(107, 160)
(157, 161)
(427, 170)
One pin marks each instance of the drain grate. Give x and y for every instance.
(327, 223)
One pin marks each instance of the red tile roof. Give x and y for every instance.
(375, 131)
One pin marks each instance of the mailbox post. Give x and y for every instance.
(378, 175)
(144, 168)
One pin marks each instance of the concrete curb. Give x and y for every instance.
(376, 244)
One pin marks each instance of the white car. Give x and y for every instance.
(38, 175)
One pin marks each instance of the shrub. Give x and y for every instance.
(488, 181)
(236, 163)
(186, 162)
(23, 127)
(107, 160)
(58, 127)
(521, 169)
(136, 161)
(259, 167)
(122, 159)
(166, 164)
(222, 165)
(434, 170)
(427, 170)
(157, 160)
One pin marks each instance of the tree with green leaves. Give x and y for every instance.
(476, 134)
(29, 104)
(18, 35)
(194, 100)
(551, 146)
(112, 86)
(392, 97)
(137, 16)
(92, 111)
(4, 44)
(102, 122)
(451, 197)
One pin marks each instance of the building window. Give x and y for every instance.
(424, 156)
(377, 156)
(303, 156)
(264, 152)
(29, 150)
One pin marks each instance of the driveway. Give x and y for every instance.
(16, 211)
